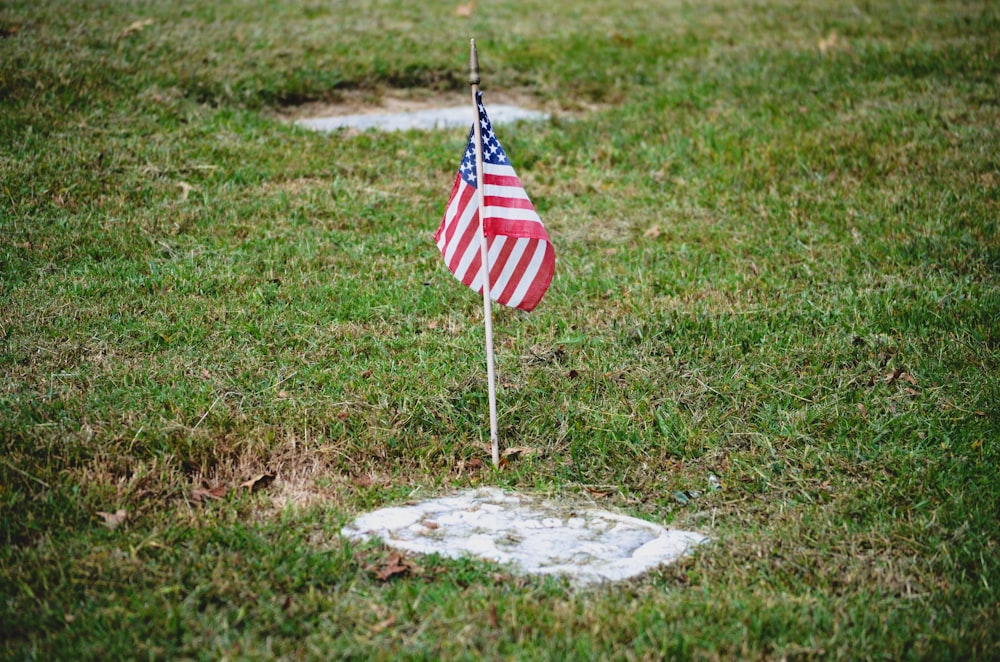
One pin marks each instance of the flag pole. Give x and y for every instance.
(484, 252)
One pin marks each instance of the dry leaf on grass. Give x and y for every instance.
(519, 451)
(465, 10)
(204, 493)
(652, 233)
(900, 374)
(185, 190)
(396, 564)
(383, 625)
(115, 519)
(135, 26)
(259, 482)
(827, 42)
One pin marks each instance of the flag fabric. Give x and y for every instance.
(521, 257)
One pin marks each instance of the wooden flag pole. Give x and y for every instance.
(484, 252)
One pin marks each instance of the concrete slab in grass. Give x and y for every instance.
(532, 535)
(425, 119)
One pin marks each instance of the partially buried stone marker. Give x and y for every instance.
(535, 536)
(434, 118)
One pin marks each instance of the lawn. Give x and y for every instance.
(222, 336)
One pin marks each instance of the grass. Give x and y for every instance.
(779, 262)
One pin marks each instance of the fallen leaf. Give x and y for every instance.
(343, 415)
(893, 376)
(600, 494)
(115, 519)
(828, 42)
(474, 464)
(491, 617)
(185, 190)
(432, 525)
(135, 26)
(396, 564)
(519, 451)
(384, 624)
(863, 409)
(465, 10)
(907, 377)
(203, 493)
(652, 233)
(259, 482)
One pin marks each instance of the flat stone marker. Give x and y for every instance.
(428, 119)
(535, 536)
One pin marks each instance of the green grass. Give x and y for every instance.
(778, 263)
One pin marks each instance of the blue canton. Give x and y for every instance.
(492, 151)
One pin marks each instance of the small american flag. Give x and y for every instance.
(521, 257)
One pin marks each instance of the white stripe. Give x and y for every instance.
(506, 191)
(529, 275)
(512, 261)
(502, 170)
(512, 214)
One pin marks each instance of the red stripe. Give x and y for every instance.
(511, 228)
(510, 203)
(541, 281)
(502, 180)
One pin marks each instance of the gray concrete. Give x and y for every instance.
(436, 118)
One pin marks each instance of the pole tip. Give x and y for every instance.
(473, 63)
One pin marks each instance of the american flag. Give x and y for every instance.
(521, 257)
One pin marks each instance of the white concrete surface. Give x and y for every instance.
(532, 535)
(435, 118)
